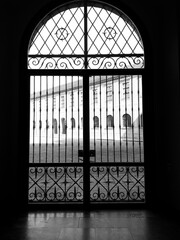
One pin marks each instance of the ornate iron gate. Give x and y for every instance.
(85, 64)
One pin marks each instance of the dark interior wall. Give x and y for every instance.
(157, 24)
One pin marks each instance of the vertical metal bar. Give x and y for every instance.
(78, 118)
(126, 117)
(132, 113)
(113, 117)
(139, 121)
(59, 126)
(107, 141)
(65, 122)
(53, 119)
(94, 106)
(86, 140)
(40, 121)
(100, 119)
(86, 127)
(85, 35)
(47, 124)
(34, 118)
(72, 119)
(120, 135)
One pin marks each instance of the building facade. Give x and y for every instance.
(56, 107)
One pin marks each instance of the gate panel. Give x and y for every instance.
(86, 140)
(55, 169)
(116, 135)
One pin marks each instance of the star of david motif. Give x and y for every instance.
(110, 33)
(61, 34)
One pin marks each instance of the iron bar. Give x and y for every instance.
(119, 108)
(40, 121)
(34, 118)
(135, 164)
(132, 113)
(107, 123)
(47, 123)
(59, 125)
(65, 126)
(78, 121)
(100, 109)
(82, 55)
(113, 95)
(72, 119)
(139, 120)
(53, 123)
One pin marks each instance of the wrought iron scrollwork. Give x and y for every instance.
(52, 184)
(55, 63)
(117, 184)
(111, 62)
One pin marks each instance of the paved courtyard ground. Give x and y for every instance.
(105, 151)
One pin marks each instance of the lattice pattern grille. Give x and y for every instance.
(117, 184)
(109, 33)
(54, 184)
(63, 33)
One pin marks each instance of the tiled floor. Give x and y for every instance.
(92, 225)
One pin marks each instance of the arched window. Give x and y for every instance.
(55, 125)
(110, 121)
(96, 121)
(105, 38)
(73, 123)
(64, 125)
(126, 120)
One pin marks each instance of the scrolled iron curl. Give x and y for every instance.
(142, 195)
(134, 195)
(100, 169)
(63, 63)
(51, 196)
(36, 170)
(118, 195)
(55, 169)
(39, 196)
(120, 169)
(71, 195)
(122, 195)
(78, 62)
(109, 63)
(34, 62)
(138, 61)
(49, 63)
(94, 62)
(96, 196)
(133, 169)
(114, 196)
(75, 169)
